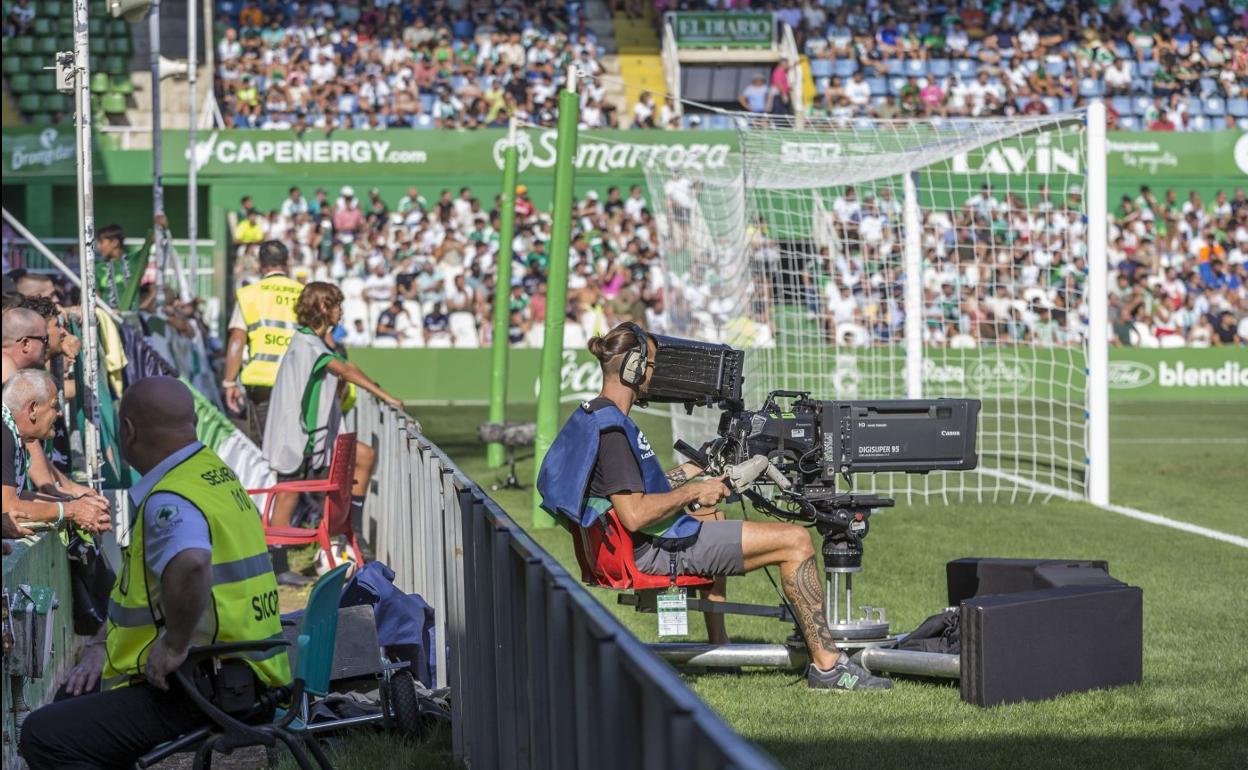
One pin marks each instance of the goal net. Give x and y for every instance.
(874, 259)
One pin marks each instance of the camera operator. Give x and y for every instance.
(625, 475)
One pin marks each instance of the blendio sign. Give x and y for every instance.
(1129, 375)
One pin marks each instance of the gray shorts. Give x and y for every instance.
(717, 551)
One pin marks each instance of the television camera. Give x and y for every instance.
(786, 458)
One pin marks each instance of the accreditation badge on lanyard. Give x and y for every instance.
(673, 608)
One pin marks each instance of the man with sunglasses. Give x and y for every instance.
(25, 340)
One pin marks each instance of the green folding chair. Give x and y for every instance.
(12, 65)
(51, 103)
(54, 9)
(22, 44)
(47, 46)
(118, 28)
(28, 103)
(114, 65)
(313, 665)
(99, 82)
(41, 26)
(45, 83)
(65, 26)
(95, 28)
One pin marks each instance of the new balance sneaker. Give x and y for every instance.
(845, 675)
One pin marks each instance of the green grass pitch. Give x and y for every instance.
(1180, 460)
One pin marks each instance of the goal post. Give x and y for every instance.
(871, 259)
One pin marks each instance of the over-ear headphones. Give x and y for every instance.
(633, 369)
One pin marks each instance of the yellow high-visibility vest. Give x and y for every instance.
(244, 589)
(268, 308)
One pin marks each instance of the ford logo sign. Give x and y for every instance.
(1124, 375)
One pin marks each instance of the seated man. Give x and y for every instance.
(195, 572)
(625, 475)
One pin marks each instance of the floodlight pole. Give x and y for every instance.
(913, 290)
(192, 173)
(158, 181)
(556, 285)
(1097, 297)
(502, 292)
(86, 246)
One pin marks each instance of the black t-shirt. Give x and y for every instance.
(9, 459)
(616, 469)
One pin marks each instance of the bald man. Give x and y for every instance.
(25, 340)
(197, 562)
(36, 491)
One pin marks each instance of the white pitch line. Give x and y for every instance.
(1169, 440)
(1131, 513)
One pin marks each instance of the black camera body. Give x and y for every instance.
(813, 441)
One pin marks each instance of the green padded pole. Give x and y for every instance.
(502, 294)
(556, 286)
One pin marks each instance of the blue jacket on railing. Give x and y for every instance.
(564, 478)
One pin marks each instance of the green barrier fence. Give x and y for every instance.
(451, 376)
(40, 563)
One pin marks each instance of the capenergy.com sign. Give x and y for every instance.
(232, 152)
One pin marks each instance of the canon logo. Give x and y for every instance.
(951, 433)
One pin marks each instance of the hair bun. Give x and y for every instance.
(596, 346)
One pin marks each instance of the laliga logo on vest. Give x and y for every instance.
(608, 157)
(643, 446)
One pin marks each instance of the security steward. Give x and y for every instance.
(196, 571)
(263, 323)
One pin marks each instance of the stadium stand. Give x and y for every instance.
(35, 31)
(384, 64)
(1178, 65)
(1178, 272)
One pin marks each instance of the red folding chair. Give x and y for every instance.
(336, 518)
(605, 552)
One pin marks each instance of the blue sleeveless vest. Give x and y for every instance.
(564, 478)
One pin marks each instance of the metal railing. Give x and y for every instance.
(541, 674)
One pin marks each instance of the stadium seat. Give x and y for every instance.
(1090, 87)
(12, 65)
(1237, 107)
(113, 104)
(55, 9)
(1123, 105)
(54, 103)
(1128, 122)
(1214, 106)
(895, 67)
(114, 65)
(41, 27)
(965, 68)
(916, 68)
(119, 28)
(1199, 123)
(28, 103)
(879, 86)
(1148, 68)
(95, 26)
(1194, 107)
(1208, 86)
(846, 67)
(120, 46)
(121, 84)
(21, 84)
(99, 83)
(1142, 103)
(47, 47)
(821, 68)
(895, 84)
(939, 67)
(23, 45)
(45, 83)
(65, 26)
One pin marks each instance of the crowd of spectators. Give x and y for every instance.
(383, 63)
(1006, 270)
(421, 271)
(999, 269)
